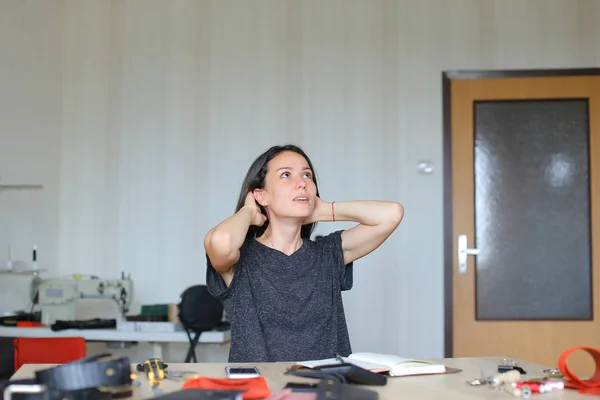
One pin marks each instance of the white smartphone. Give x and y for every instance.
(241, 372)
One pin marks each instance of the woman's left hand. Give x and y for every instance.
(321, 212)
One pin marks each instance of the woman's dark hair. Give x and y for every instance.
(255, 179)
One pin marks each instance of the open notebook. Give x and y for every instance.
(379, 363)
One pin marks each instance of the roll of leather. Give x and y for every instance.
(92, 378)
(584, 386)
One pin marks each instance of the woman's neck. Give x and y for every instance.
(285, 238)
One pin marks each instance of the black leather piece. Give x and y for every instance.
(200, 394)
(311, 373)
(20, 316)
(355, 374)
(95, 323)
(342, 373)
(333, 390)
(296, 387)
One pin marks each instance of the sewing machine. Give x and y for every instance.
(57, 296)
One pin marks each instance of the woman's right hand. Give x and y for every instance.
(258, 218)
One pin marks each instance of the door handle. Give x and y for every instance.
(463, 252)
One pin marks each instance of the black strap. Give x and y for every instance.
(93, 378)
(316, 374)
(333, 390)
(201, 394)
(77, 376)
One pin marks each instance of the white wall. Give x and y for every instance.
(141, 119)
(31, 45)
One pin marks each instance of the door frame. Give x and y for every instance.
(447, 78)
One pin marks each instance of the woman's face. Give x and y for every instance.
(289, 189)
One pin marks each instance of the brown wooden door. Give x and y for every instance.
(525, 198)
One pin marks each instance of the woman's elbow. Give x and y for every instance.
(396, 214)
(218, 242)
(220, 252)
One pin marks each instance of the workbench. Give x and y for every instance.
(451, 386)
(158, 340)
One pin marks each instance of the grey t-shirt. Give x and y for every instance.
(286, 308)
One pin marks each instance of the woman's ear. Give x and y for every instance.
(259, 196)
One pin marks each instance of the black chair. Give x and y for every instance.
(199, 312)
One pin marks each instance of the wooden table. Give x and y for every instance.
(447, 386)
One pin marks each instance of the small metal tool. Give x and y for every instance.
(553, 373)
(498, 380)
(482, 380)
(509, 365)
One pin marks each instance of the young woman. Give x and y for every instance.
(280, 289)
